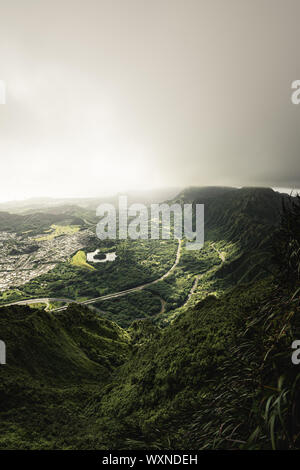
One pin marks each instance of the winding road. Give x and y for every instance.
(115, 295)
(103, 297)
(42, 300)
(222, 256)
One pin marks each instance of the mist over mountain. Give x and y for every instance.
(124, 328)
(35, 204)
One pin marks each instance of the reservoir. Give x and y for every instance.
(90, 257)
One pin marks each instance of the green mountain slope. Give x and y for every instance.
(218, 376)
(54, 362)
(35, 223)
(245, 217)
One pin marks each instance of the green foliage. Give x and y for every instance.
(124, 310)
(35, 223)
(137, 262)
(217, 376)
(54, 362)
(80, 260)
(57, 231)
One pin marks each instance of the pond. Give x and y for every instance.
(91, 257)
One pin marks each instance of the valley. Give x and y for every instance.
(163, 345)
(185, 282)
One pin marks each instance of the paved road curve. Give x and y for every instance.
(103, 297)
(44, 300)
(133, 289)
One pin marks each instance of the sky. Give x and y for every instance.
(110, 95)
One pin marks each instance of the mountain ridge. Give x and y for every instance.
(75, 380)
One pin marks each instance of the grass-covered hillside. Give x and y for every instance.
(54, 364)
(216, 374)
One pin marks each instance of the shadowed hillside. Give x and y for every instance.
(218, 376)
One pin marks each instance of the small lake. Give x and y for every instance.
(90, 257)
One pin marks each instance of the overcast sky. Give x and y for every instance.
(108, 95)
